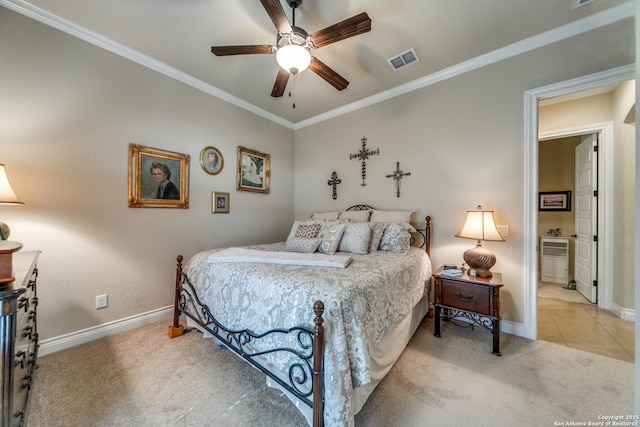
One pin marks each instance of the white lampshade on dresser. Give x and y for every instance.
(7, 248)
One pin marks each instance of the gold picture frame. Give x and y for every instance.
(147, 168)
(254, 171)
(211, 160)
(220, 202)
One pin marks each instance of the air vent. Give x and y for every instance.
(578, 3)
(404, 59)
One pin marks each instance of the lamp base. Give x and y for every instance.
(480, 260)
(7, 249)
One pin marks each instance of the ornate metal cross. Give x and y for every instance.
(363, 155)
(397, 177)
(334, 181)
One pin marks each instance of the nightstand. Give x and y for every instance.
(474, 299)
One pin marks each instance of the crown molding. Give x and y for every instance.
(606, 17)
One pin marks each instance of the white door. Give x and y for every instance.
(586, 205)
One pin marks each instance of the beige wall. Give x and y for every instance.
(462, 141)
(68, 111)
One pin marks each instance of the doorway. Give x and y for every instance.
(531, 232)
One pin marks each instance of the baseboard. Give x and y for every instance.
(623, 313)
(82, 336)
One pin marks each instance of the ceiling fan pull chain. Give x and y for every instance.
(292, 92)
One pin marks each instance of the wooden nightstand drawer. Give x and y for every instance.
(466, 296)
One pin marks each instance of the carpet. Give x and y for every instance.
(143, 378)
(556, 291)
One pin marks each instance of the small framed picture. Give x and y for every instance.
(554, 201)
(211, 160)
(158, 178)
(219, 202)
(254, 171)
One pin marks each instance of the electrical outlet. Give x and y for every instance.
(101, 301)
(503, 230)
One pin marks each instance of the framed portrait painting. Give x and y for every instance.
(554, 201)
(158, 178)
(254, 171)
(211, 160)
(219, 202)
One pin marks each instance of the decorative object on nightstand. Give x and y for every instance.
(7, 248)
(473, 299)
(480, 226)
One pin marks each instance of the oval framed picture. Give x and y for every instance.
(211, 160)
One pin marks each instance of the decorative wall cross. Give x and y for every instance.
(397, 177)
(334, 181)
(363, 155)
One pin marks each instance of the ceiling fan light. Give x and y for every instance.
(293, 58)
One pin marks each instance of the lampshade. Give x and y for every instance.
(480, 225)
(7, 195)
(293, 58)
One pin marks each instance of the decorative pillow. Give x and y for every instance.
(355, 216)
(397, 237)
(331, 235)
(356, 238)
(325, 215)
(305, 245)
(377, 230)
(391, 216)
(296, 224)
(308, 231)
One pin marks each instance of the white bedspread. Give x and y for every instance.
(362, 303)
(284, 258)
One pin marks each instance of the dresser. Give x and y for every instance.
(475, 300)
(18, 338)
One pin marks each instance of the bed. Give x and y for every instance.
(324, 320)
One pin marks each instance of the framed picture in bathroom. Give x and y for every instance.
(554, 201)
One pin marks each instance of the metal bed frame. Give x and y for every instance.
(306, 372)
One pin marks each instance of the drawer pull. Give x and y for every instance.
(23, 303)
(21, 358)
(469, 298)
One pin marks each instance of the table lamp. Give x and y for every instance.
(480, 226)
(7, 248)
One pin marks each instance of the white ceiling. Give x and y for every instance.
(175, 37)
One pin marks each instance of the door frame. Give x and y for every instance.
(531, 137)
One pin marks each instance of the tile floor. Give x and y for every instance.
(586, 327)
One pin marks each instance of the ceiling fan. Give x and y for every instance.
(294, 44)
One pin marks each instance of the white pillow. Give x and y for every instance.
(397, 237)
(356, 238)
(355, 216)
(325, 215)
(391, 216)
(331, 235)
(304, 245)
(294, 227)
(377, 231)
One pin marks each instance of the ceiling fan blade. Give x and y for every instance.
(350, 27)
(242, 50)
(277, 15)
(281, 83)
(323, 70)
